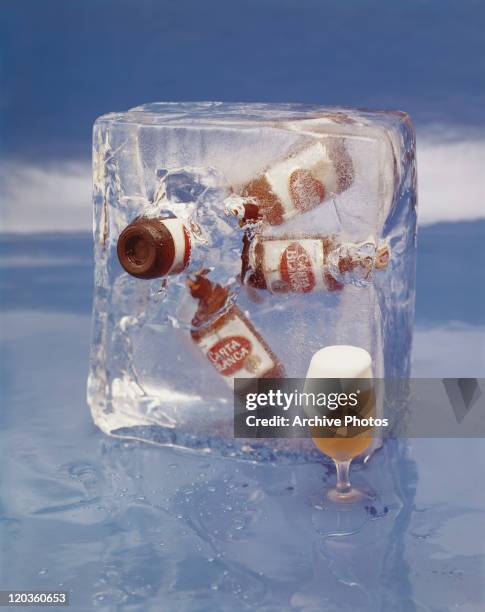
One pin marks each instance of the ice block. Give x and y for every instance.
(301, 218)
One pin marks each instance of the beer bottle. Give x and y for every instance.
(225, 335)
(297, 183)
(303, 265)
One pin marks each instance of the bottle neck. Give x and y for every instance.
(212, 298)
(351, 262)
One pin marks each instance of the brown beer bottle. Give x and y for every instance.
(298, 183)
(303, 265)
(225, 335)
(154, 247)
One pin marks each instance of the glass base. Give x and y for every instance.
(350, 496)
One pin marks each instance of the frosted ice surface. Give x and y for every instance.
(148, 378)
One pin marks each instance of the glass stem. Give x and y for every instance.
(343, 481)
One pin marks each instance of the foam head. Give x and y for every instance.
(340, 361)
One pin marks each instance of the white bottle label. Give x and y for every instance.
(296, 266)
(181, 242)
(302, 181)
(236, 352)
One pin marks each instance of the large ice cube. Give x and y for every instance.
(236, 175)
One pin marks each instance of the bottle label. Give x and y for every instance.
(235, 351)
(181, 240)
(301, 182)
(306, 191)
(295, 266)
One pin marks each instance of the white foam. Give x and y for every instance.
(340, 361)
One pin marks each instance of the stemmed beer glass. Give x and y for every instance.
(352, 365)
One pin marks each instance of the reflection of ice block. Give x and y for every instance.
(348, 174)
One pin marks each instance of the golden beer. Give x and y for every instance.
(344, 449)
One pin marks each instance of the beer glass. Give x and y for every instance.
(349, 364)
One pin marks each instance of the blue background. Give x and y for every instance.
(126, 526)
(65, 63)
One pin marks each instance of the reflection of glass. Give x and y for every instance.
(344, 362)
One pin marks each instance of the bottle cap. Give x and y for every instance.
(383, 256)
(146, 248)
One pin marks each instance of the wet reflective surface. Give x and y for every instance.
(127, 526)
